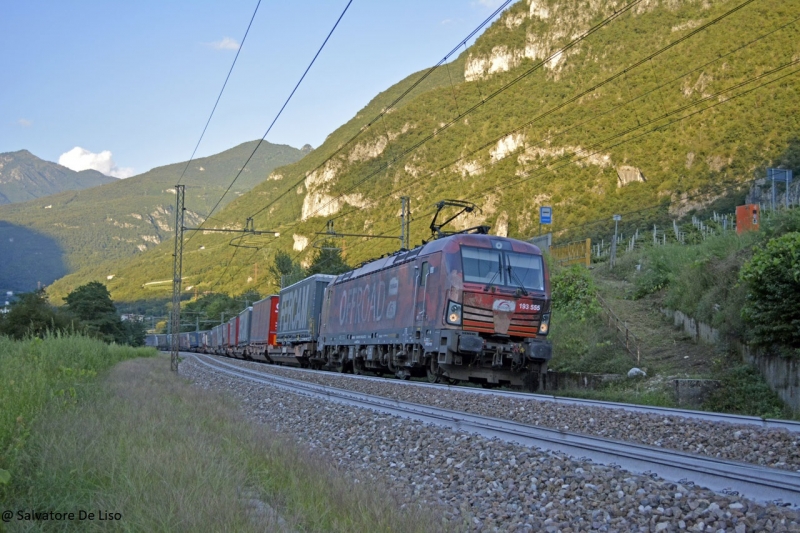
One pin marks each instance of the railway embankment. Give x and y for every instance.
(732, 305)
(480, 484)
(722, 375)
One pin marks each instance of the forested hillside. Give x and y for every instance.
(23, 177)
(654, 107)
(130, 216)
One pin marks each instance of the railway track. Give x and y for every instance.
(758, 483)
(764, 423)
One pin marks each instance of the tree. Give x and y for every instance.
(773, 282)
(32, 315)
(284, 270)
(91, 303)
(328, 260)
(132, 332)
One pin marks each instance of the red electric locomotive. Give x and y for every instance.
(469, 307)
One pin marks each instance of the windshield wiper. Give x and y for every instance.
(513, 275)
(488, 285)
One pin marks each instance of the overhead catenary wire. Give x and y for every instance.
(577, 97)
(661, 127)
(233, 64)
(391, 105)
(484, 100)
(596, 86)
(568, 160)
(280, 112)
(678, 110)
(288, 99)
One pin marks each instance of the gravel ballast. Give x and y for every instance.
(776, 448)
(482, 484)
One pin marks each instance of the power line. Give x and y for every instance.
(390, 106)
(546, 113)
(666, 115)
(567, 160)
(670, 113)
(379, 116)
(471, 109)
(279, 112)
(220, 92)
(589, 91)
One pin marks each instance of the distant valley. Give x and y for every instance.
(120, 218)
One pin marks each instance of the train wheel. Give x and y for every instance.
(358, 367)
(434, 374)
(341, 366)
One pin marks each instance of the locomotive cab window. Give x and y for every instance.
(423, 274)
(525, 270)
(481, 265)
(502, 267)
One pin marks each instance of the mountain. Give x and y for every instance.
(127, 217)
(23, 177)
(665, 109)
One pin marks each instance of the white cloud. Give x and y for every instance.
(25, 123)
(225, 44)
(79, 159)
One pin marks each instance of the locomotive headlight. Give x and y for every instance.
(453, 313)
(544, 325)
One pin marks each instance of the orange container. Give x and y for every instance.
(747, 218)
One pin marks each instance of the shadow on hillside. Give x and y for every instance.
(28, 258)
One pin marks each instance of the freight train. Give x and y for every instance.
(465, 307)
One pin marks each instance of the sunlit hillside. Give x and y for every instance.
(592, 108)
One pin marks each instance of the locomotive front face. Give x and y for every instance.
(498, 304)
(503, 292)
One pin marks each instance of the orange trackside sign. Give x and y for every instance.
(747, 218)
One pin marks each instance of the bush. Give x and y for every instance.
(574, 292)
(744, 391)
(773, 282)
(36, 371)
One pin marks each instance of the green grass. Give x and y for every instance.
(624, 392)
(744, 391)
(586, 345)
(47, 372)
(170, 456)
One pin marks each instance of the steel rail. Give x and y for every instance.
(708, 416)
(755, 482)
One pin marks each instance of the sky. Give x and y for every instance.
(123, 87)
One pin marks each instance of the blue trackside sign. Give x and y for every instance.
(545, 215)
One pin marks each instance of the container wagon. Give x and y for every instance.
(298, 321)
(264, 328)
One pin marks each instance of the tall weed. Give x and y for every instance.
(169, 456)
(581, 342)
(35, 372)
